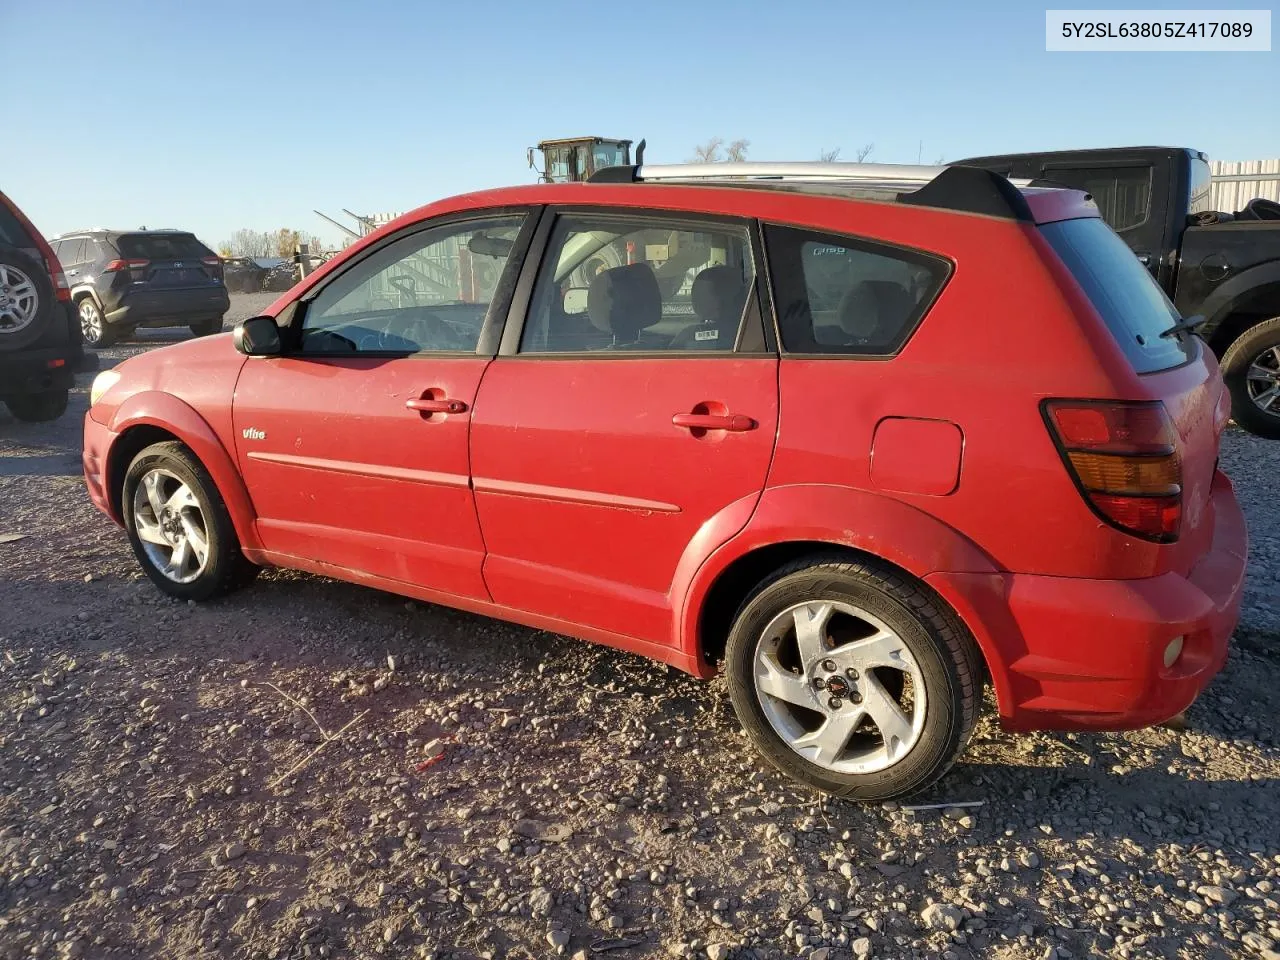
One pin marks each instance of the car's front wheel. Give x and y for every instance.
(38, 407)
(179, 526)
(852, 678)
(93, 326)
(1251, 369)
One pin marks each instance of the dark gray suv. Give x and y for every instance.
(122, 279)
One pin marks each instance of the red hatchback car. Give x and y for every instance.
(866, 436)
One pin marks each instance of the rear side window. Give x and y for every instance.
(161, 246)
(837, 295)
(1133, 306)
(11, 231)
(1199, 187)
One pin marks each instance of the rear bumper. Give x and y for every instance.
(97, 444)
(1069, 653)
(37, 371)
(160, 307)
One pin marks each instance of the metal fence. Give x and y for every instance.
(1236, 183)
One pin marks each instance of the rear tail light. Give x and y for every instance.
(1123, 457)
(214, 264)
(137, 268)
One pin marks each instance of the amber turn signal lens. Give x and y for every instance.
(1123, 454)
(1132, 476)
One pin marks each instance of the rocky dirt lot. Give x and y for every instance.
(313, 769)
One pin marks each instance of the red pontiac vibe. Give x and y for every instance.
(867, 436)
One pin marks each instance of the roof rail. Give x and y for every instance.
(810, 172)
(966, 189)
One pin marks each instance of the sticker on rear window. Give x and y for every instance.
(706, 334)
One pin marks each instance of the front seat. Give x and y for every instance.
(622, 301)
(718, 295)
(873, 313)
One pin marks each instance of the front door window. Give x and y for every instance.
(426, 293)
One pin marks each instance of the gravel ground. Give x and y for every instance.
(314, 769)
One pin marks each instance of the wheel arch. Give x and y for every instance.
(796, 521)
(1241, 302)
(87, 291)
(153, 417)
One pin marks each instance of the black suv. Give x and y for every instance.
(40, 348)
(122, 279)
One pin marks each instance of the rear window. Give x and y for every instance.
(1133, 306)
(1123, 194)
(161, 246)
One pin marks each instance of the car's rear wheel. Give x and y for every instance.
(26, 299)
(1251, 368)
(38, 407)
(93, 326)
(852, 678)
(204, 328)
(179, 526)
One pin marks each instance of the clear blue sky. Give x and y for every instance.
(214, 116)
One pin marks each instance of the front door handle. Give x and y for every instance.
(733, 422)
(434, 405)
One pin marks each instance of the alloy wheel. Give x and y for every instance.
(1263, 381)
(19, 302)
(90, 321)
(839, 687)
(171, 525)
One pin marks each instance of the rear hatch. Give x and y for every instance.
(169, 260)
(1176, 369)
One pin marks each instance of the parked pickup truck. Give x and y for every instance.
(1224, 267)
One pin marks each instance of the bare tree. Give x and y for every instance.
(249, 243)
(864, 151)
(715, 151)
(708, 152)
(829, 156)
(277, 243)
(315, 243)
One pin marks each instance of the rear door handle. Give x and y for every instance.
(433, 405)
(733, 422)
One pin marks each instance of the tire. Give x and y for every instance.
(1251, 368)
(207, 328)
(839, 747)
(27, 301)
(95, 330)
(38, 407)
(201, 508)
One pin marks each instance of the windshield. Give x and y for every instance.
(1130, 302)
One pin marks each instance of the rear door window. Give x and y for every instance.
(1129, 301)
(161, 246)
(838, 295)
(72, 252)
(628, 282)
